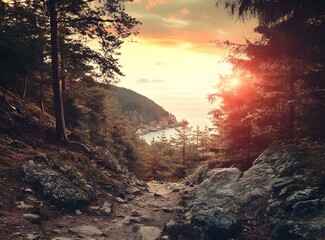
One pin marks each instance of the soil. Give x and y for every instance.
(154, 207)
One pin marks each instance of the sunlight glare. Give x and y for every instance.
(234, 82)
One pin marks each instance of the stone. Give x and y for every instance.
(28, 191)
(33, 237)
(134, 191)
(306, 207)
(278, 189)
(54, 186)
(148, 233)
(106, 209)
(129, 220)
(147, 219)
(105, 159)
(218, 225)
(78, 212)
(157, 195)
(86, 231)
(120, 200)
(167, 209)
(33, 218)
(135, 213)
(23, 205)
(175, 190)
(137, 227)
(302, 195)
(61, 238)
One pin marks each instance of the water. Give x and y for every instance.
(168, 133)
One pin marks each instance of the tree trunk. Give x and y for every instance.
(62, 67)
(292, 112)
(23, 95)
(184, 155)
(57, 93)
(41, 97)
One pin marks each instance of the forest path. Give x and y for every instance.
(152, 208)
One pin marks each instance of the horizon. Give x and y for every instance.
(172, 61)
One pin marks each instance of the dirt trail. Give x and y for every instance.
(154, 207)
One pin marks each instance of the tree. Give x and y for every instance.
(183, 138)
(56, 84)
(282, 71)
(105, 22)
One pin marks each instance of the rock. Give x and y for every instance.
(28, 191)
(181, 230)
(198, 176)
(135, 213)
(134, 191)
(34, 218)
(218, 225)
(18, 144)
(78, 212)
(22, 205)
(147, 219)
(86, 231)
(106, 209)
(41, 158)
(105, 159)
(33, 237)
(137, 227)
(148, 233)
(120, 200)
(61, 238)
(175, 190)
(167, 209)
(302, 195)
(280, 189)
(129, 220)
(306, 207)
(54, 186)
(157, 195)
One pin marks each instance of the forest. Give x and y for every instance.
(46, 58)
(72, 161)
(280, 95)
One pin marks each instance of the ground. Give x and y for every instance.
(154, 207)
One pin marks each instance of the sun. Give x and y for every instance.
(234, 82)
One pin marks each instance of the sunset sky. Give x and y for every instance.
(171, 61)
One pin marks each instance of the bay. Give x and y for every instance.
(169, 132)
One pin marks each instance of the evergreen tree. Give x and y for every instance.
(280, 74)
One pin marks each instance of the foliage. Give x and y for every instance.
(167, 155)
(281, 91)
(141, 110)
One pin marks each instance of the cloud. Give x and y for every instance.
(150, 3)
(160, 64)
(145, 80)
(180, 23)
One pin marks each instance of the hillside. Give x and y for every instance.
(144, 113)
(52, 190)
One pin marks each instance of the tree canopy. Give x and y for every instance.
(281, 91)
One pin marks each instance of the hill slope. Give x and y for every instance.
(144, 113)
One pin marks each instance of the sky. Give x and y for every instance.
(172, 60)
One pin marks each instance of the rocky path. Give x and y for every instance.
(139, 215)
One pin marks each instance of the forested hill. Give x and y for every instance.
(143, 112)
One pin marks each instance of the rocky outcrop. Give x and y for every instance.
(283, 189)
(54, 186)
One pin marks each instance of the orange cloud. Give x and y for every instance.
(180, 13)
(150, 3)
(183, 11)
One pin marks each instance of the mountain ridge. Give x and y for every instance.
(143, 112)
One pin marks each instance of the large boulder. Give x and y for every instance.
(54, 186)
(280, 188)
